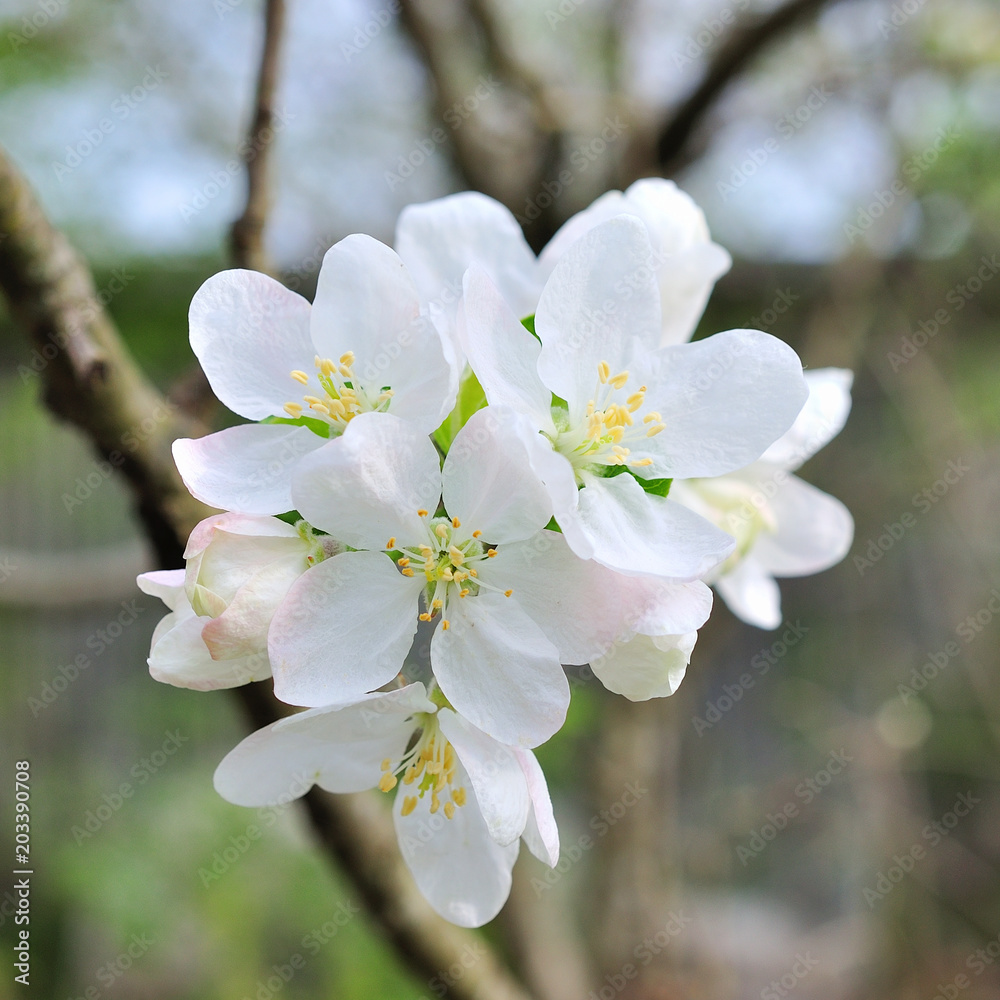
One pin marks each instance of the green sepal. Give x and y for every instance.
(320, 427)
(657, 487)
(553, 526)
(529, 324)
(471, 398)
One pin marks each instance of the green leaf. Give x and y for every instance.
(320, 427)
(552, 526)
(657, 487)
(471, 398)
(529, 324)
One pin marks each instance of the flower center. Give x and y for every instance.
(448, 560)
(339, 397)
(430, 765)
(613, 420)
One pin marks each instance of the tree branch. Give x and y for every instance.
(247, 234)
(739, 49)
(92, 381)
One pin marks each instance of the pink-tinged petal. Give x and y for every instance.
(541, 833)
(646, 667)
(751, 593)
(636, 533)
(234, 523)
(487, 479)
(247, 468)
(250, 332)
(601, 303)
(723, 400)
(366, 486)
(343, 630)
(822, 418)
(503, 355)
(461, 870)
(440, 239)
(180, 657)
(338, 747)
(577, 603)
(497, 779)
(166, 584)
(498, 670)
(815, 531)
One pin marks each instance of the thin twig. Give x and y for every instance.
(247, 233)
(739, 49)
(51, 294)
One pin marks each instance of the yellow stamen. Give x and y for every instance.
(603, 371)
(464, 593)
(300, 376)
(619, 380)
(653, 431)
(386, 764)
(445, 624)
(635, 401)
(507, 593)
(320, 408)
(409, 804)
(347, 359)
(651, 416)
(449, 809)
(491, 553)
(422, 513)
(456, 523)
(441, 531)
(457, 555)
(641, 461)
(391, 544)
(404, 562)
(293, 409)
(437, 604)
(327, 367)
(458, 796)
(387, 782)
(407, 572)
(477, 533)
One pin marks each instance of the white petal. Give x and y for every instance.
(723, 400)
(498, 670)
(686, 281)
(488, 482)
(338, 747)
(600, 304)
(815, 531)
(460, 869)
(541, 833)
(662, 607)
(247, 468)
(166, 584)
(366, 486)
(496, 776)
(577, 603)
(637, 533)
(235, 523)
(821, 419)
(343, 630)
(503, 355)
(751, 593)
(250, 332)
(646, 667)
(180, 657)
(438, 241)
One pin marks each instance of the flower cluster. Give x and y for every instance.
(464, 468)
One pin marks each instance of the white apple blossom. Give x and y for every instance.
(439, 240)
(509, 601)
(239, 568)
(645, 667)
(783, 525)
(602, 397)
(463, 800)
(362, 346)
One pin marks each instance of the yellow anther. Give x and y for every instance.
(464, 592)
(603, 371)
(435, 802)
(473, 573)
(404, 562)
(441, 531)
(460, 575)
(386, 764)
(651, 416)
(320, 408)
(433, 767)
(391, 544)
(635, 401)
(422, 513)
(327, 367)
(407, 572)
(449, 809)
(616, 434)
(641, 461)
(409, 804)
(619, 380)
(446, 574)
(491, 553)
(425, 617)
(312, 399)
(425, 550)
(653, 431)
(347, 359)
(507, 593)
(457, 555)
(458, 796)
(387, 782)
(293, 409)
(337, 407)
(346, 372)
(456, 523)
(300, 376)
(445, 624)
(437, 604)
(477, 533)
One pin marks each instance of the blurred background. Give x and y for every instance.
(817, 811)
